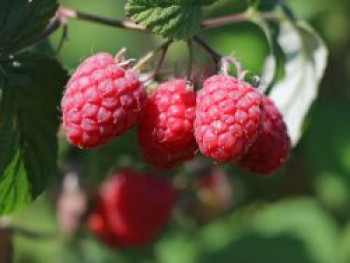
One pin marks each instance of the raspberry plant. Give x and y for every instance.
(234, 116)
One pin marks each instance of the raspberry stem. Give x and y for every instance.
(190, 59)
(51, 28)
(63, 38)
(236, 18)
(150, 76)
(150, 55)
(64, 13)
(70, 13)
(220, 21)
(211, 51)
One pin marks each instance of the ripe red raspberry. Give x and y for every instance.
(132, 209)
(166, 132)
(103, 99)
(272, 147)
(228, 118)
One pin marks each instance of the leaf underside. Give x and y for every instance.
(306, 60)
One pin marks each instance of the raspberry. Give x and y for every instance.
(103, 99)
(272, 147)
(132, 209)
(166, 133)
(228, 118)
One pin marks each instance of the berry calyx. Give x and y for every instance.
(103, 99)
(132, 209)
(166, 131)
(228, 118)
(272, 147)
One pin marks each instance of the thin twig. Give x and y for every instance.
(160, 62)
(190, 59)
(220, 21)
(51, 28)
(71, 13)
(237, 18)
(216, 56)
(151, 54)
(64, 37)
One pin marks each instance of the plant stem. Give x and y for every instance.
(220, 21)
(70, 13)
(161, 61)
(190, 59)
(51, 28)
(216, 56)
(151, 54)
(236, 18)
(64, 13)
(64, 37)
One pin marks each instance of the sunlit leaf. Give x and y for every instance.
(306, 59)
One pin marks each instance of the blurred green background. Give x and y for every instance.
(302, 214)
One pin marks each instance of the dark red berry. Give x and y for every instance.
(273, 145)
(132, 209)
(166, 132)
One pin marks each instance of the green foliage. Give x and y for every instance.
(31, 90)
(178, 19)
(267, 5)
(283, 228)
(298, 228)
(16, 32)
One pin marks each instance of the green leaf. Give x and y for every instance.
(267, 5)
(14, 185)
(179, 19)
(21, 21)
(306, 60)
(31, 87)
(304, 219)
(261, 232)
(298, 227)
(345, 244)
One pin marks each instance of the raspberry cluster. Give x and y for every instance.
(227, 120)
